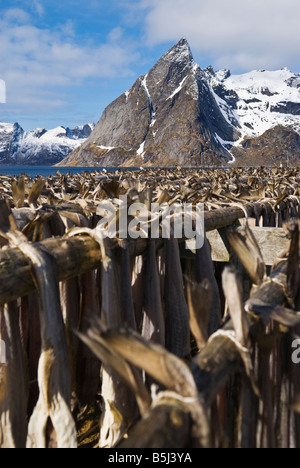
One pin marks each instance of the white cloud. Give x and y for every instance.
(38, 8)
(39, 64)
(240, 34)
(16, 15)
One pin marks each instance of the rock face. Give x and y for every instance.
(277, 146)
(40, 146)
(180, 114)
(168, 117)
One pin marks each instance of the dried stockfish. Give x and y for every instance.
(80, 305)
(293, 296)
(245, 246)
(23, 217)
(53, 374)
(153, 321)
(162, 365)
(167, 369)
(205, 271)
(138, 287)
(31, 339)
(128, 284)
(293, 269)
(35, 192)
(168, 425)
(234, 294)
(177, 314)
(287, 317)
(129, 319)
(214, 365)
(115, 361)
(70, 306)
(119, 404)
(233, 290)
(70, 218)
(87, 366)
(248, 416)
(7, 220)
(272, 291)
(119, 409)
(13, 382)
(200, 296)
(18, 191)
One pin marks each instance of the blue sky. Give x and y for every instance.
(64, 62)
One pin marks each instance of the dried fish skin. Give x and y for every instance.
(53, 372)
(129, 318)
(13, 382)
(233, 290)
(199, 297)
(169, 371)
(119, 403)
(153, 322)
(168, 425)
(159, 363)
(177, 314)
(245, 245)
(205, 271)
(138, 287)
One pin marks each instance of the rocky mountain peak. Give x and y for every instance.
(167, 116)
(178, 113)
(168, 73)
(180, 52)
(222, 75)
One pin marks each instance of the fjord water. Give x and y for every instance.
(46, 171)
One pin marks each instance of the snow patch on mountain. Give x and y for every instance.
(141, 151)
(257, 101)
(227, 145)
(144, 85)
(177, 90)
(107, 148)
(264, 100)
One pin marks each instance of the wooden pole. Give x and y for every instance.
(225, 217)
(74, 257)
(78, 255)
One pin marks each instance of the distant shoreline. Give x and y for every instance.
(47, 171)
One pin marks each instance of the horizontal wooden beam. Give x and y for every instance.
(74, 256)
(78, 255)
(224, 217)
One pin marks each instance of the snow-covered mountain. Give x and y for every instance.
(256, 102)
(40, 146)
(181, 114)
(168, 117)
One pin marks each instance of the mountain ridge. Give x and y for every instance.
(165, 116)
(178, 113)
(39, 146)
